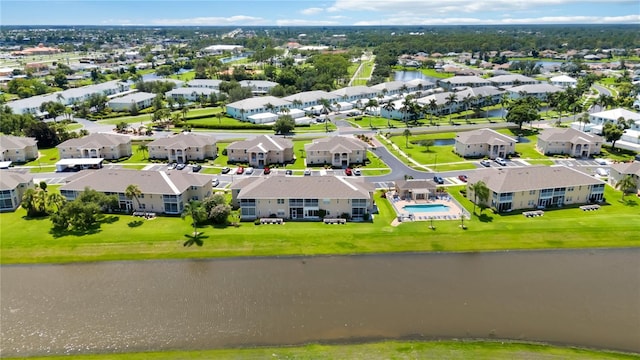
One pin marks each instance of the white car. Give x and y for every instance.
(307, 172)
(215, 182)
(248, 171)
(357, 172)
(500, 161)
(485, 162)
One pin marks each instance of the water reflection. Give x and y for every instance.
(587, 298)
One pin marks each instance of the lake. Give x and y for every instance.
(580, 297)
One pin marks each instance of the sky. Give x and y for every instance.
(317, 12)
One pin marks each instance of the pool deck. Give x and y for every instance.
(453, 212)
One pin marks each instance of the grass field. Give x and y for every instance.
(121, 238)
(399, 350)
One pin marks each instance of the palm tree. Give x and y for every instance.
(197, 212)
(433, 107)
(584, 119)
(480, 192)
(627, 185)
(269, 107)
(184, 112)
(371, 104)
(326, 109)
(405, 109)
(504, 100)
(452, 98)
(389, 107)
(133, 192)
(55, 200)
(144, 148)
(466, 102)
(296, 103)
(406, 133)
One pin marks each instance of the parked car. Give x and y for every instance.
(462, 178)
(181, 166)
(288, 172)
(438, 179)
(348, 171)
(225, 170)
(172, 166)
(248, 171)
(485, 162)
(357, 172)
(215, 182)
(240, 170)
(266, 171)
(307, 172)
(196, 168)
(500, 161)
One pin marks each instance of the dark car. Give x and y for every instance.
(438, 179)
(196, 168)
(288, 172)
(462, 178)
(225, 170)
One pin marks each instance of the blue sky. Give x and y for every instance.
(314, 12)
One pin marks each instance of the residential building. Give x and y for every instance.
(258, 87)
(13, 184)
(563, 81)
(568, 141)
(484, 142)
(530, 187)
(310, 98)
(355, 93)
(261, 151)
(190, 94)
(205, 83)
(415, 189)
(419, 85)
(503, 81)
(303, 197)
(620, 170)
(460, 81)
(18, 149)
(539, 91)
(220, 49)
(242, 109)
(183, 147)
(337, 151)
(96, 145)
(391, 88)
(630, 138)
(141, 100)
(162, 192)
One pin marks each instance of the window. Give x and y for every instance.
(280, 201)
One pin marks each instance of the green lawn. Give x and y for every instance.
(119, 238)
(445, 350)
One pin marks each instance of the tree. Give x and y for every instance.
(46, 136)
(480, 192)
(197, 213)
(389, 107)
(452, 99)
(33, 201)
(55, 201)
(371, 104)
(406, 133)
(627, 185)
(133, 192)
(612, 133)
(427, 143)
(433, 106)
(521, 113)
(85, 212)
(284, 125)
(53, 108)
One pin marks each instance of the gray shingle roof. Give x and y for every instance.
(149, 182)
(568, 134)
(183, 140)
(258, 102)
(10, 142)
(513, 179)
(535, 89)
(627, 168)
(311, 96)
(9, 180)
(135, 97)
(314, 187)
(483, 136)
(359, 90)
(334, 143)
(96, 139)
(263, 142)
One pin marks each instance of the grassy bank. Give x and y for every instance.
(123, 237)
(450, 350)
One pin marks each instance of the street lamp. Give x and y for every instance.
(462, 221)
(435, 164)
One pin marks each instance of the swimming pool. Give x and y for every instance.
(425, 208)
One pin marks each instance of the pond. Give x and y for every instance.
(580, 297)
(401, 75)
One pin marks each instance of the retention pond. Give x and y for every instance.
(587, 298)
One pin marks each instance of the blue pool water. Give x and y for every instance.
(425, 208)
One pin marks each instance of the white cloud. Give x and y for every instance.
(311, 11)
(213, 21)
(505, 21)
(299, 22)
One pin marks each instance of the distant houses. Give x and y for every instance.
(13, 185)
(620, 170)
(139, 100)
